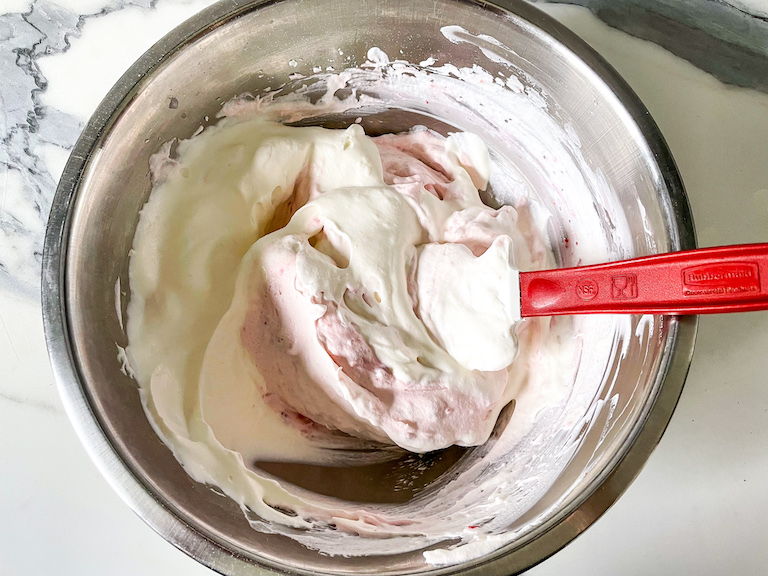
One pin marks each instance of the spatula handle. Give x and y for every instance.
(702, 281)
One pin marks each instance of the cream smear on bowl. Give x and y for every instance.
(309, 232)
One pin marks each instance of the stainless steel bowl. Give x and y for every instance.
(238, 46)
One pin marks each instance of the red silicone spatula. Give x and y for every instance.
(703, 281)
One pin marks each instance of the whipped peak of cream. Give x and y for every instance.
(471, 304)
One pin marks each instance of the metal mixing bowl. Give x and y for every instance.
(238, 46)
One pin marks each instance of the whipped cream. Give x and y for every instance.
(370, 272)
(331, 308)
(380, 297)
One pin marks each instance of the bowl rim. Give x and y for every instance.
(558, 530)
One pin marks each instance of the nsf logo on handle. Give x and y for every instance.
(586, 289)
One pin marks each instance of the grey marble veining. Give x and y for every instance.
(26, 125)
(728, 39)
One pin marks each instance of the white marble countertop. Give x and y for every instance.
(699, 507)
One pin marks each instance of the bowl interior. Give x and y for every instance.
(250, 48)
